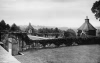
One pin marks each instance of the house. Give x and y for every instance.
(87, 29)
(30, 30)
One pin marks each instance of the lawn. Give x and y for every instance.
(72, 54)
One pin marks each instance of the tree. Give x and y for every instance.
(56, 31)
(3, 28)
(2, 25)
(96, 9)
(69, 33)
(7, 26)
(14, 27)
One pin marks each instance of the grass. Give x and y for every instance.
(73, 54)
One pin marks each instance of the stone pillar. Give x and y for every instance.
(15, 47)
(10, 48)
(10, 45)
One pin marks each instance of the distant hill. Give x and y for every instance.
(23, 27)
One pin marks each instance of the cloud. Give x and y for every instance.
(45, 11)
(64, 0)
(24, 5)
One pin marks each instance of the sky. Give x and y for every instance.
(59, 13)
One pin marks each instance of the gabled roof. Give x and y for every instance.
(87, 26)
(29, 27)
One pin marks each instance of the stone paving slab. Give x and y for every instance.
(6, 57)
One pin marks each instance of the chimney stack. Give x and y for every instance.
(87, 20)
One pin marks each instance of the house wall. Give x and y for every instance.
(30, 31)
(92, 32)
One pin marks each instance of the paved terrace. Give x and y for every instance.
(5, 57)
(39, 38)
(36, 37)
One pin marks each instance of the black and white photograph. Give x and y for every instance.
(49, 31)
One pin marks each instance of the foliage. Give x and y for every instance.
(96, 9)
(69, 33)
(56, 30)
(48, 30)
(68, 41)
(4, 26)
(14, 27)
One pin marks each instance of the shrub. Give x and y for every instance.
(70, 33)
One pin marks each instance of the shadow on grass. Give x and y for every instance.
(36, 49)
